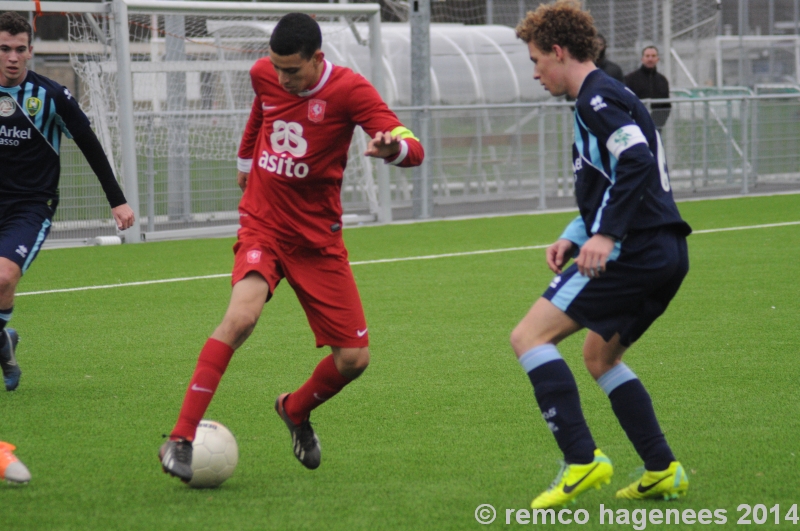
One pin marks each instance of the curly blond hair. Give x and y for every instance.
(563, 23)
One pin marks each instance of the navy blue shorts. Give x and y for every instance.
(642, 276)
(23, 229)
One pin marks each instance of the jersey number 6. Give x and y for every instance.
(662, 164)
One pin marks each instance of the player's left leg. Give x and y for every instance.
(23, 229)
(629, 400)
(326, 289)
(664, 476)
(10, 274)
(330, 376)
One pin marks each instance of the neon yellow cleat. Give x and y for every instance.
(668, 484)
(575, 479)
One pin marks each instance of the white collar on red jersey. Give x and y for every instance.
(322, 80)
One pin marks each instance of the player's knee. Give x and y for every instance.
(237, 327)
(352, 362)
(521, 340)
(9, 276)
(597, 365)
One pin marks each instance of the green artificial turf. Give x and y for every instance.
(443, 420)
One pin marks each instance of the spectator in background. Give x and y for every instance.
(647, 83)
(602, 62)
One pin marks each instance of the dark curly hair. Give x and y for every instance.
(563, 23)
(14, 24)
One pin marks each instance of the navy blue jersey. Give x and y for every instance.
(33, 115)
(620, 171)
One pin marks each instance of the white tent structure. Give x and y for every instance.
(469, 64)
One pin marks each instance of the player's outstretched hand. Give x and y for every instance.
(123, 215)
(593, 256)
(241, 179)
(383, 145)
(558, 254)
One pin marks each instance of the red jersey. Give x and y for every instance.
(295, 147)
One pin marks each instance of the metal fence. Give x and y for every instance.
(481, 159)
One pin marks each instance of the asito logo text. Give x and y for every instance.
(286, 139)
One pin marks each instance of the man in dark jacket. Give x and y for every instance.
(647, 83)
(602, 62)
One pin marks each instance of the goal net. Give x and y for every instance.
(191, 97)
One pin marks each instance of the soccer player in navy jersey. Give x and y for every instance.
(34, 112)
(291, 162)
(630, 257)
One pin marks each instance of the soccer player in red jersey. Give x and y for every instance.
(291, 162)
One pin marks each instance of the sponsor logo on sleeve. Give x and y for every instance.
(33, 106)
(7, 106)
(597, 103)
(316, 110)
(253, 257)
(621, 137)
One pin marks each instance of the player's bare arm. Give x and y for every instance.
(124, 216)
(593, 256)
(558, 254)
(383, 145)
(241, 179)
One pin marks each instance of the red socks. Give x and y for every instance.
(211, 365)
(324, 383)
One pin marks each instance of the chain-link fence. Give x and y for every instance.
(505, 158)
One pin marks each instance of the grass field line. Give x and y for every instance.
(378, 261)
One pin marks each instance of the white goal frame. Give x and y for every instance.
(120, 9)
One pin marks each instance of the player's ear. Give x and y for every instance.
(318, 56)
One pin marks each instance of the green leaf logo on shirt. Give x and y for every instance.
(621, 137)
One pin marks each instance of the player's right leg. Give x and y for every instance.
(247, 301)
(556, 393)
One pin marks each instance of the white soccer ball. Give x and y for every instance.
(214, 455)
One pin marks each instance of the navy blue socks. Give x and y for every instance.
(634, 410)
(557, 394)
(5, 317)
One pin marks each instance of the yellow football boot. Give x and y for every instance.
(575, 479)
(668, 484)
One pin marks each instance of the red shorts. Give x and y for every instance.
(321, 278)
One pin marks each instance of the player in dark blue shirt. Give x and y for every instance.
(34, 112)
(629, 245)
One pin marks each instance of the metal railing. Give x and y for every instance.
(481, 159)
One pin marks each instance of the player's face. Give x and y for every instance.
(548, 70)
(650, 58)
(296, 74)
(15, 52)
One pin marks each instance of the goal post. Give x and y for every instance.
(166, 85)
